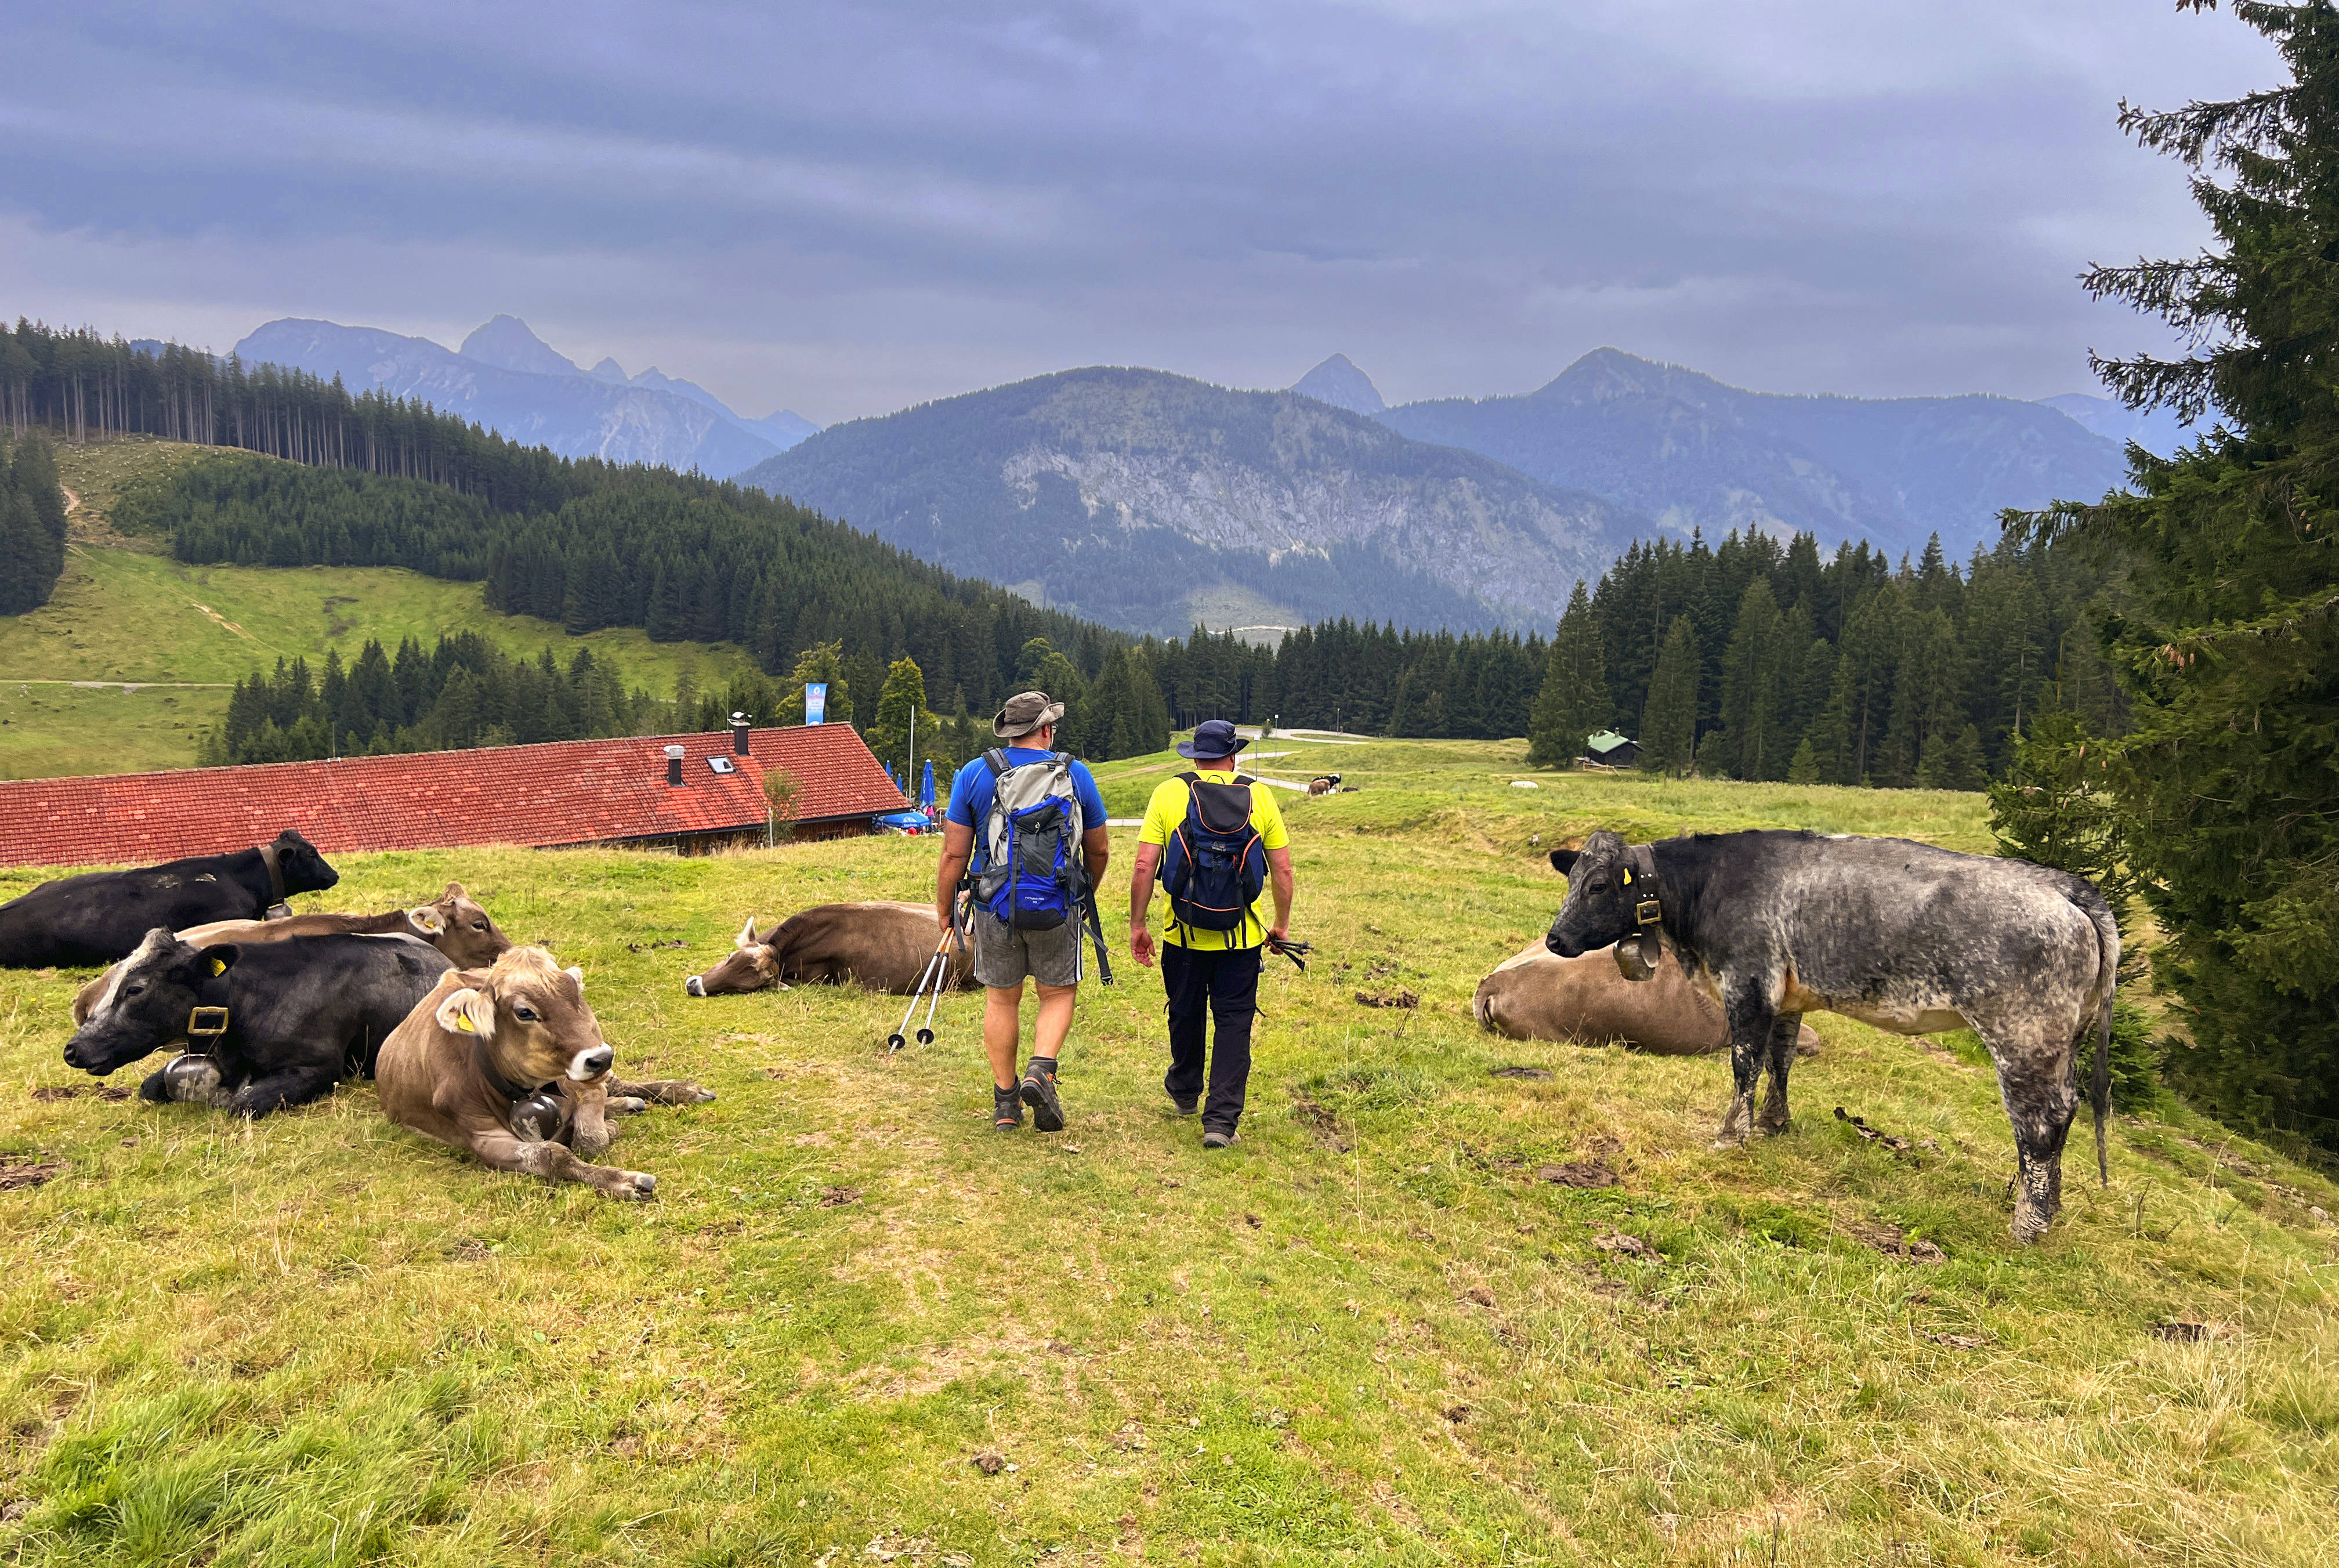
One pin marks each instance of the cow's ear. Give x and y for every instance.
(216, 961)
(469, 1011)
(746, 935)
(425, 921)
(454, 890)
(577, 974)
(1563, 860)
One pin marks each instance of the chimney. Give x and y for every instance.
(740, 727)
(674, 766)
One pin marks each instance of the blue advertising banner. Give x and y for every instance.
(815, 701)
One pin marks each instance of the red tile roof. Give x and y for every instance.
(564, 793)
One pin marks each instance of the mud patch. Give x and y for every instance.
(22, 1170)
(1889, 1240)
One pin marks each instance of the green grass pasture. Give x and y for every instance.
(1370, 1333)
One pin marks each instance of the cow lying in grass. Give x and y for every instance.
(883, 946)
(1899, 935)
(277, 1024)
(1535, 995)
(102, 915)
(509, 1063)
(452, 923)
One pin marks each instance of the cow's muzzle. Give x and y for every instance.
(591, 1064)
(694, 986)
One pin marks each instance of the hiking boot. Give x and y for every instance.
(1006, 1109)
(1214, 1139)
(1038, 1091)
(1187, 1104)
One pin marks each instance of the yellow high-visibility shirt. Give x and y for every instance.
(1167, 810)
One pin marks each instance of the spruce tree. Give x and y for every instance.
(820, 662)
(1754, 689)
(2227, 651)
(903, 720)
(1573, 702)
(1669, 726)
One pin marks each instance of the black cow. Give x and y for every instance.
(1896, 934)
(98, 917)
(298, 1015)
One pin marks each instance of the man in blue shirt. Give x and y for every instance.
(1004, 956)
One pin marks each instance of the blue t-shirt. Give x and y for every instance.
(973, 790)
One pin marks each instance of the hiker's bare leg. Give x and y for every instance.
(1003, 1011)
(1054, 1023)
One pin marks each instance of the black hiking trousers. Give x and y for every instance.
(1225, 983)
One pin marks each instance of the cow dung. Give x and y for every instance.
(1527, 1072)
(1580, 1173)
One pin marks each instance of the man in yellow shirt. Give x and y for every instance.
(1210, 952)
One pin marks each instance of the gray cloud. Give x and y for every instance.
(847, 209)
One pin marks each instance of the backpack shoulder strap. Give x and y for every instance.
(997, 759)
(1191, 777)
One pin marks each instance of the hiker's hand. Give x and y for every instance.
(1278, 934)
(943, 919)
(1140, 946)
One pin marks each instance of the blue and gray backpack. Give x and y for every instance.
(1027, 870)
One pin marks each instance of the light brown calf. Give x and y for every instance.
(1537, 995)
(509, 1063)
(452, 923)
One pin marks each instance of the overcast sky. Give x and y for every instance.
(847, 209)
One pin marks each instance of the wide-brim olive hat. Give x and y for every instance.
(1023, 713)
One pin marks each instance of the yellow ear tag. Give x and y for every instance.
(463, 1022)
(1628, 876)
(218, 967)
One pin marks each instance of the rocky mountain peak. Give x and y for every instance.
(505, 342)
(1338, 382)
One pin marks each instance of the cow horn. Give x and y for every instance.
(747, 934)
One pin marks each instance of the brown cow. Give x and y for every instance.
(1323, 783)
(1538, 996)
(509, 1062)
(453, 924)
(883, 946)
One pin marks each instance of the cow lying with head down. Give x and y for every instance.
(883, 946)
(102, 915)
(274, 1024)
(1896, 934)
(452, 923)
(509, 1063)
(1586, 1001)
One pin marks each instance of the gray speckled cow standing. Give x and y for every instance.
(1896, 934)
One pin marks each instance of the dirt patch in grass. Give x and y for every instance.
(1884, 1236)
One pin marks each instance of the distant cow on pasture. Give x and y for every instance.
(102, 915)
(883, 946)
(1899, 935)
(452, 923)
(1536, 995)
(1323, 783)
(509, 1064)
(278, 1022)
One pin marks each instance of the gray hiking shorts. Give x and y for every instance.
(1003, 956)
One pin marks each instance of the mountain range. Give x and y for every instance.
(1691, 452)
(509, 380)
(1149, 501)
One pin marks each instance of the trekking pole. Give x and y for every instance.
(896, 1041)
(941, 979)
(1294, 950)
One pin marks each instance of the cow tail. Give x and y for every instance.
(2108, 942)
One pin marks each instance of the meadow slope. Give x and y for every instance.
(1373, 1332)
(124, 612)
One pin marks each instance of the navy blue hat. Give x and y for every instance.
(1212, 738)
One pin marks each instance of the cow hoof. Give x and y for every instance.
(1773, 1129)
(1730, 1140)
(628, 1105)
(635, 1185)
